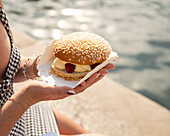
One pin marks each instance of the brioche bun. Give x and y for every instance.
(80, 48)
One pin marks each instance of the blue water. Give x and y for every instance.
(139, 30)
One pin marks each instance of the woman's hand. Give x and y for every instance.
(31, 70)
(40, 90)
(94, 78)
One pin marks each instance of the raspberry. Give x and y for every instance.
(69, 67)
(94, 65)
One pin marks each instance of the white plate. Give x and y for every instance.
(45, 65)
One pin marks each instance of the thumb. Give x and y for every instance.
(66, 90)
(35, 64)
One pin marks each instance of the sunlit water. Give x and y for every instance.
(139, 30)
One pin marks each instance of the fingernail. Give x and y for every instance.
(70, 92)
(83, 84)
(102, 77)
(98, 75)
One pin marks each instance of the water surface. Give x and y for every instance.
(138, 30)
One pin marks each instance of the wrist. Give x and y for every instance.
(20, 97)
(31, 94)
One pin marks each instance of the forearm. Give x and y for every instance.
(11, 111)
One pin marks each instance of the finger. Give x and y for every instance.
(38, 59)
(88, 82)
(92, 79)
(64, 91)
(99, 78)
(35, 63)
(110, 66)
(83, 83)
(79, 89)
(103, 71)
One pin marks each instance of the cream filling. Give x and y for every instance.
(60, 64)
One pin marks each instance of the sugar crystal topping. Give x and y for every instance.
(83, 46)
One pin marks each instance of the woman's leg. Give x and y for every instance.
(66, 125)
